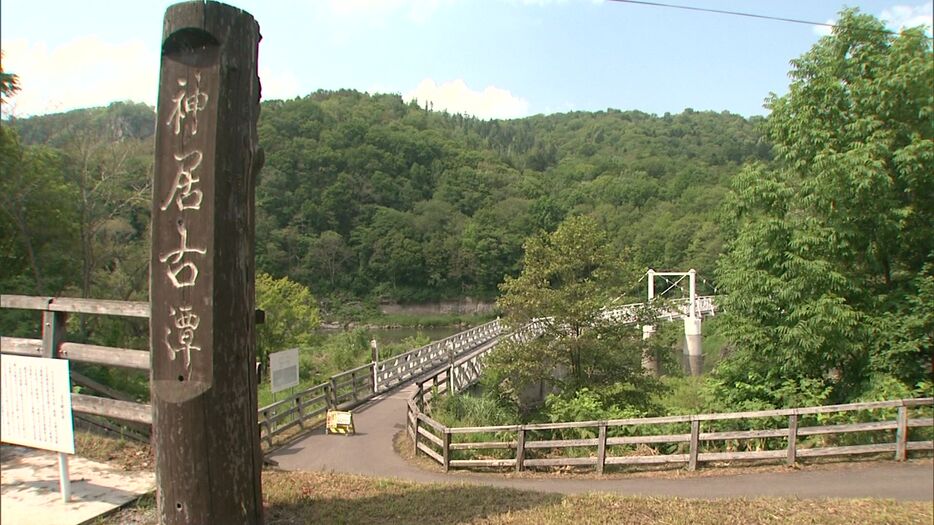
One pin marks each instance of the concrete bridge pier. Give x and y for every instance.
(693, 346)
(649, 359)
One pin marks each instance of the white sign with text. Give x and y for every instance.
(35, 403)
(283, 368)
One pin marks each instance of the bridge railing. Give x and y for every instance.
(348, 389)
(411, 364)
(678, 308)
(464, 372)
(457, 376)
(819, 431)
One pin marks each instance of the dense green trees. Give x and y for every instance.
(569, 276)
(829, 271)
(33, 256)
(291, 315)
(74, 209)
(419, 205)
(75, 197)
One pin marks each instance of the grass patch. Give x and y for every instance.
(266, 397)
(318, 497)
(129, 454)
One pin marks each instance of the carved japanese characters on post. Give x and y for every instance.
(202, 269)
(183, 216)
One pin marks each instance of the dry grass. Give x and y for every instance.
(128, 454)
(293, 498)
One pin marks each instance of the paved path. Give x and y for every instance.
(30, 491)
(370, 452)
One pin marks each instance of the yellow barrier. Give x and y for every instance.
(339, 422)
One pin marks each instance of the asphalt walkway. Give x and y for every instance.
(370, 452)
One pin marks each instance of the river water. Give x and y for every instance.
(388, 336)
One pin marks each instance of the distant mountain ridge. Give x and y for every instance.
(117, 121)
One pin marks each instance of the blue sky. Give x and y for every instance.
(489, 58)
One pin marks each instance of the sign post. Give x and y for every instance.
(202, 323)
(64, 480)
(375, 347)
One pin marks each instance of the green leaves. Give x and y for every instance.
(827, 251)
(291, 315)
(569, 276)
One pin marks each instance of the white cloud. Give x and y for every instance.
(896, 18)
(902, 16)
(456, 97)
(83, 73)
(278, 84)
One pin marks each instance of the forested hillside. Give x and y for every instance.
(374, 197)
(368, 197)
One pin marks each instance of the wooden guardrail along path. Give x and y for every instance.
(687, 440)
(788, 434)
(350, 388)
(784, 434)
(300, 410)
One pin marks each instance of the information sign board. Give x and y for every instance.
(283, 368)
(35, 403)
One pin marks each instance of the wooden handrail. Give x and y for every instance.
(77, 305)
(439, 448)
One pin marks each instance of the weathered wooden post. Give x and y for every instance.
(695, 444)
(601, 448)
(446, 449)
(520, 448)
(901, 434)
(792, 439)
(53, 332)
(202, 324)
(332, 383)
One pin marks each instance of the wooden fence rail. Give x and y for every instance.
(688, 440)
(348, 389)
(53, 345)
(787, 434)
(301, 410)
